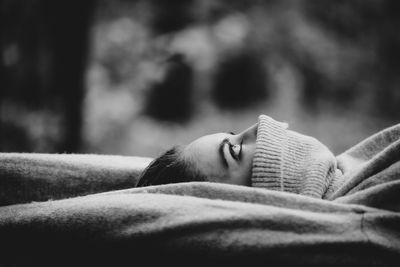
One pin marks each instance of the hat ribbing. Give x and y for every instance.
(291, 162)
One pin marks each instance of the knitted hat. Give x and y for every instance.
(291, 162)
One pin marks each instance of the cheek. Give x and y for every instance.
(242, 175)
(214, 172)
(226, 178)
(249, 154)
(248, 159)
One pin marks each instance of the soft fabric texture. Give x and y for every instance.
(26, 177)
(356, 222)
(287, 161)
(199, 224)
(373, 161)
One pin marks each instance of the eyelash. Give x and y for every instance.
(231, 151)
(236, 157)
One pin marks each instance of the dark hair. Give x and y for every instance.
(170, 168)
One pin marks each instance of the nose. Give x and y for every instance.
(250, 134)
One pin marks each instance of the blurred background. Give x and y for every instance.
(136, 77)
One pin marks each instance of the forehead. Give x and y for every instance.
(203, 152)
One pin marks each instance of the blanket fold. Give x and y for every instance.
(198, 222)
(88, 214)
(368, 163)
(26, 177)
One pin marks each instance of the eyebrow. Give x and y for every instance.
(221, 152)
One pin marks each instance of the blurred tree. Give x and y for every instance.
(373, 26)
(171, 98)
(314, 83)
(44, 48)
(69, 41)
(171, 16)
(319, 86)
(240, 80)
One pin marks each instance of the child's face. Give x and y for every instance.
(224, 157)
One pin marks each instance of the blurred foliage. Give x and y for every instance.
(372, 26)
(240, 81)
(170, 99)
(170, 16)
(164, 72)
(42, 68)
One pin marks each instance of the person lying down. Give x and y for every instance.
(339, 210)
(269, 155)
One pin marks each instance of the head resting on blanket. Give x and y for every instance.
(220, 157)
(266, 155)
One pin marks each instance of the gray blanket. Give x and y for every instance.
(199, 223)
(196, 223)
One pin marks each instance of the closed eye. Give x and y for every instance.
(236, 150)
(221, 152)
(232, 152)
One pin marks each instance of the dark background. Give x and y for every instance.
(136, 77)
